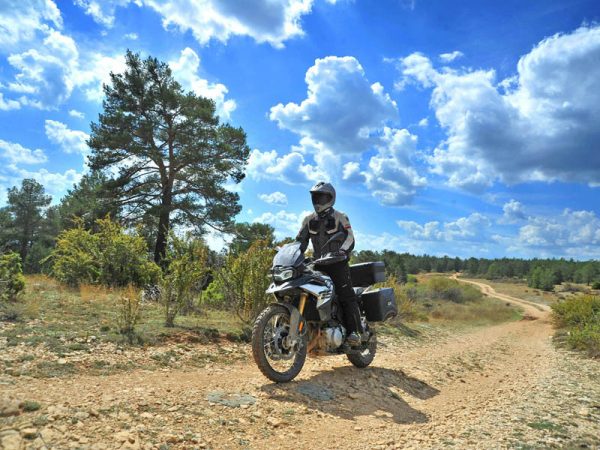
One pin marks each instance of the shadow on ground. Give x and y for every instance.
(348, 392)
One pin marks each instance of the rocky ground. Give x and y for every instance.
(504, 386)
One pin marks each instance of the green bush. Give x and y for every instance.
(244, 280)
(109, 257)
(12, 281)
(75, 259)
(186, 266)
(580, 317)
(123, 257)
(408, 309)
(446, 289)
(596, 285)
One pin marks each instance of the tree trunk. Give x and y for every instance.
(160, 250)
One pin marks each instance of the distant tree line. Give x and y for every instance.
(539, 273)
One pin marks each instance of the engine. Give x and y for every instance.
(334, 337)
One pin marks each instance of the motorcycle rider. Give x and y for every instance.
(319, 227)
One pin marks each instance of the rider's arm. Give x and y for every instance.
(348, 244)
(303, 234)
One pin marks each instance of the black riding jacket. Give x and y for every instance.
(319, 228)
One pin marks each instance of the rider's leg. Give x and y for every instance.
(340, 275)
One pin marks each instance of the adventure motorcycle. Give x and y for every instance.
(307, 316)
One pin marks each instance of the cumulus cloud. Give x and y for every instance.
(290, 168)
(513, 212)
(285, 223)
(21, 20)
(76, 114)
(569, 234)
(540, 125)
(16, 153)
(70, 141)
(274, 198)
(263, 20)
(342, 107)
(102, 11)
(55, 183)
(470, 228)
(449, 57)
(345, 115)
(7, 105)
(47, 74)
(44, 73)
(186, 70)
(390, 176)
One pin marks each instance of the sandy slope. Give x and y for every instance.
(493, 387)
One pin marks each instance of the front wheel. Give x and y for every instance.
(275, 356)
(362, 359)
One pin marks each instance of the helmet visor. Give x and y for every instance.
(320, 198)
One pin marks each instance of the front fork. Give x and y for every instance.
(296, 320)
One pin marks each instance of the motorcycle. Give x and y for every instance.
(307, 317)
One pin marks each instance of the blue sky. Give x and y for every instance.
(462, 128)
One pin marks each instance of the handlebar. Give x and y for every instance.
(330, 258)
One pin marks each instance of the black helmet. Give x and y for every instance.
(323, 196)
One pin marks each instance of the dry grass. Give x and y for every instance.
(90, 292)
(519, 289)
(481, 312)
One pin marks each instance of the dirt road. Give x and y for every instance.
(503, 386)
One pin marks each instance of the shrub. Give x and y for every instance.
(128, 311)
(580, 316)
(408, 310)
(186, 262)
(12, 281)
(596, 285)
(110, 257)
(451, 290)
(244, 280)
(123, 258)
(75, 259)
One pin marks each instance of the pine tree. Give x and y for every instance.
(173, 157)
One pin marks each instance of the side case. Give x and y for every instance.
(367, 274)
(379, 305)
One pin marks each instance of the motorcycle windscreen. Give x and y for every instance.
(289, 255)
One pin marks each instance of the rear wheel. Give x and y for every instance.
(362, 359)
(275, 356)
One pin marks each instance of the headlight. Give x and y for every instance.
(283, 274)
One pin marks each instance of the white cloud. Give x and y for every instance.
(274, 198)
(570, 234)
(186, 70)
(540, 125)
(345, 115)
(132, 36)
(471, 228)
(513, 212)
(342, 107)
(424, 122)
(44, 73)
(390, 177)
(20, 20)
(285, 223)
(70, 141)
(95, 71)
(449, 57)
(265, 21)
(290, 168)
(55, 183)
(16, 153)
(76, 114)
(7, 105)
(102, 11)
